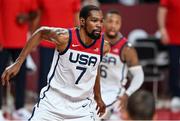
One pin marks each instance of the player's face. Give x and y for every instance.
(112, 25)
(93, 24)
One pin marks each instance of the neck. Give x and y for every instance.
(113, 40)
(84, 38)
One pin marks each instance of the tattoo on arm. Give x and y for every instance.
(51, 33)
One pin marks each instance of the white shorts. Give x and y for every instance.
(64, 110)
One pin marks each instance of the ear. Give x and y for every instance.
(82, 22)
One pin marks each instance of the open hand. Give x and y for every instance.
(123, 102)
(10, 72)
(101, 107)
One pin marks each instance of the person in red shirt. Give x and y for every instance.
(1, 41)
(169, 25)
(1, 35)
(56, 13)
(15, 17)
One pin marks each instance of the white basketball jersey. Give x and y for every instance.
(113, 72)
(73, 72)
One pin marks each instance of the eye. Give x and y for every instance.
(94, 20)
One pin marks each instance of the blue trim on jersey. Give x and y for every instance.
(60, 53)
(111, 104)
(69, 43)
(102, 47)
(78, 36)
(49, 81)
(32, 114)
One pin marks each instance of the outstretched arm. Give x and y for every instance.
(57, 35)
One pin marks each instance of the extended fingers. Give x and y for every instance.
(101, 110)
(6, 77)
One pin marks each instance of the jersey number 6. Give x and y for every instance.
(103, 69)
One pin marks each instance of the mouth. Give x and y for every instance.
(97, 31)
(112, 32)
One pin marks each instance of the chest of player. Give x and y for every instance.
(111, 60)
(79, 58)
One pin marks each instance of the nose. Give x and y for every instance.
(99, 24)
(113, 25)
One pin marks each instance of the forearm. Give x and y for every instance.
(137, 79)
(33, 41)
(97, 88)
(161, 16)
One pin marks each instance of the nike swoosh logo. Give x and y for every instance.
(84, 105)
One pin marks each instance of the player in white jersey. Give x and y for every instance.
(116, 65)
(73, 80)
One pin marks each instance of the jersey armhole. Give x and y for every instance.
(69, 43)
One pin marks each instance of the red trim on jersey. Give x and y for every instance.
(77, 45)
(116, 48)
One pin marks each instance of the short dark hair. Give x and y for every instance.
(141, 106)
(84, 13)
(113, 11)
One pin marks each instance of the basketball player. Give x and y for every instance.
(74, 74)
(116, 64)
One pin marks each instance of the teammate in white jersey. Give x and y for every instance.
(116, 65)
(73, 80)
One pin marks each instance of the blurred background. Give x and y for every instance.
(20, 18)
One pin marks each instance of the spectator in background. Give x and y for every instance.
(140, 106)
(56, 13)
(16, 15)
(169, 26)
(1, 41)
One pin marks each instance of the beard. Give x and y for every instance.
(92, 34)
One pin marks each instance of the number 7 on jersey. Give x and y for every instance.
(83, 70)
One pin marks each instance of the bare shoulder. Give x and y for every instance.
(128, 49)
(129, 54)
(106, 48)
